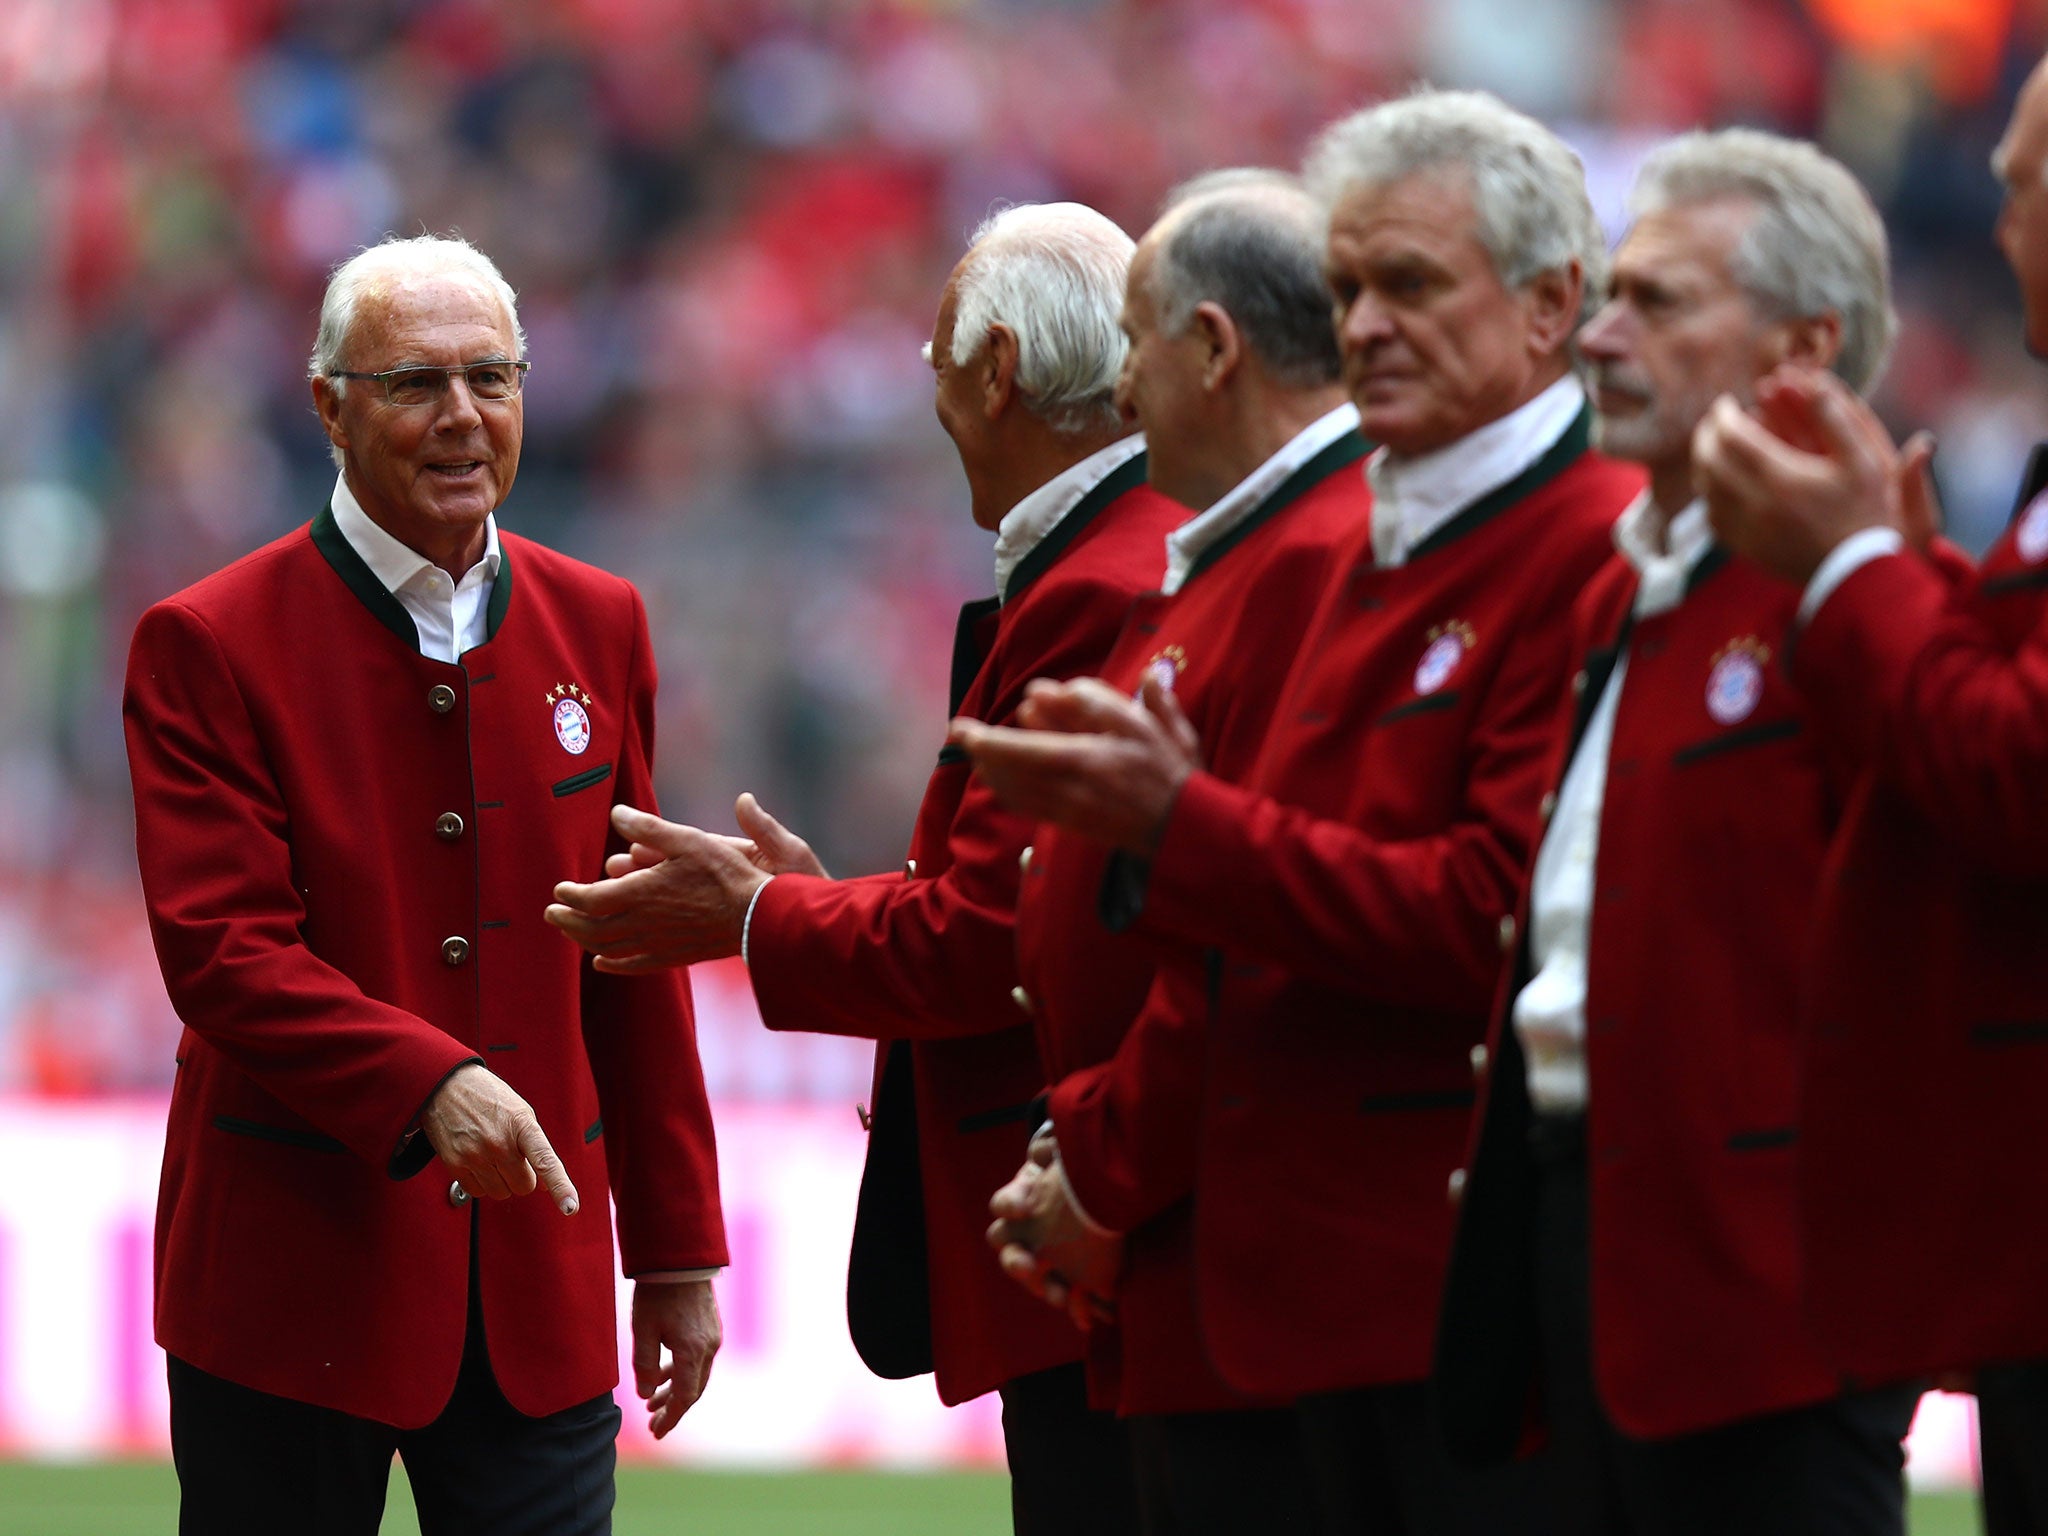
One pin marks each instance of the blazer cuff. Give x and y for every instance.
(414, 1151)
(1842, 562)
(678, 1276)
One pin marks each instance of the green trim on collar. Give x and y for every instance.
(1127, 476)
(501, 593)
(361, 580)
(1708, 566)
(1559, 457)
(1346, 450)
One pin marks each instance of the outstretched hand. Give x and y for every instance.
(1090, 759)
(686, 903)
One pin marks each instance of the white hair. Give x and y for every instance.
(1528, 186)
(1054, 274)
(371, 270)
(1816, 245)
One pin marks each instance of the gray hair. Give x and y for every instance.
(369, 271)
(1816, 245)
(1054, 274)
(1528, 186)
(1251, 242)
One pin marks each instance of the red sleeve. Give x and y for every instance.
(893, 955)
(211, 836)
(1128, 1127)
(1414, 923)
(640, 1033)
(1900, 667)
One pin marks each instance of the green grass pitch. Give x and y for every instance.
(140, 1499)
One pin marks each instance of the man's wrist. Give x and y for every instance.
(1844, 561)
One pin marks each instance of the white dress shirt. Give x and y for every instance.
(1413, 497)
(1194, 538)
(1550, 1011)
(1025, 525)
(449, 615)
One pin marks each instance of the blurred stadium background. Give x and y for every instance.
(729, 221)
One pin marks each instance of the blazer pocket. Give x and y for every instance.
(583, 780)
(1738, 741)
(312, 1141)
(1413, 1103)
(1429, 703)
(1009, 1114)
(1769, 1140)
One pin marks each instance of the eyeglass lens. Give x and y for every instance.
(420, 386)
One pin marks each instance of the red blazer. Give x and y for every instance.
(1226, 635)
(1711, 840)
(924, 963)
(346, 849)
(1925, 1184)
(1353, 889)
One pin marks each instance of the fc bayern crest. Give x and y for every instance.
(1446, 650)
(2031, 536)
(572, 719)
(1735, 682)
(1164, 668)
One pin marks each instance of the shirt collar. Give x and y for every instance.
(1413, 497)
(1028, 522)
(395, 564)
(1662, 574)
(1186, 545)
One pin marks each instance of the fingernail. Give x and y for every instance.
(569, 1206)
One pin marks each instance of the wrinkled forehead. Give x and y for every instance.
(404, 304)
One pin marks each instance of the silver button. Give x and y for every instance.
(910, 869)
(867, 1121)
(1456, 1191)
(1547, 806)
(1021, 998)
(1024, 860)
(1507, 933)
(447, 826)
(457, 1195)
(455, 950)
(1479, 1061)
(1578, 683)
(440, 698)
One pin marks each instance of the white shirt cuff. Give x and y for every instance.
(747, 926)
(678, 1276)
(1843, 561)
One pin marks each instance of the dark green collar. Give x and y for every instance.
(1559, 457)
(1346, 450)
(1127, 476)
(375, 596)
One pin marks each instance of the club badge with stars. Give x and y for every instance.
(1441, 657)
(571, 707)
(1166, 666)
(1735, 682)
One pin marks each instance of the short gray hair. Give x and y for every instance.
(1816, 245)
(1054, 274)
(1528, 186)
(370, 270)
(1251, 242)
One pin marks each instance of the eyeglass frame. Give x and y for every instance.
(447, 372)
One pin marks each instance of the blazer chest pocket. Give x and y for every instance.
(583, 780)
(1742, 739)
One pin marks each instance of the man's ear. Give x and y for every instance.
(1222, 343)
(327, 403)
(1815, 340)
(998, 371)
(1553, 300)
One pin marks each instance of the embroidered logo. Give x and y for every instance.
(1447, 646)
(1165, 668)
(1735, 682)
(2030, 538)
(572, 717)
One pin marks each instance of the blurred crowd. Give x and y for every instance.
(729, 221)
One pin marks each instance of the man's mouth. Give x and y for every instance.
(461, 470)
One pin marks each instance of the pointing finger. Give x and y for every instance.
(547, 1167)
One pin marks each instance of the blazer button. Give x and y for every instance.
(447, 826)
(1578, 683)
(457, 1195)
(440, 698)
(455, 950)
(1456, 1191)
(910, 869)
(1507, 934)
(1479, 1062)
(1021, 998)
(1547, 807)
(1024, 861)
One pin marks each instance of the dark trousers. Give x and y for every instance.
(250, 1464)
(1832, 1469)
(1380, 1469)
(1223, 1474)
(2012, 1447)
(1070, 1465)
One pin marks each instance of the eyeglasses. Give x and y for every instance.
(493, 379)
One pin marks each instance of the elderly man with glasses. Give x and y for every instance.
(362, 755)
